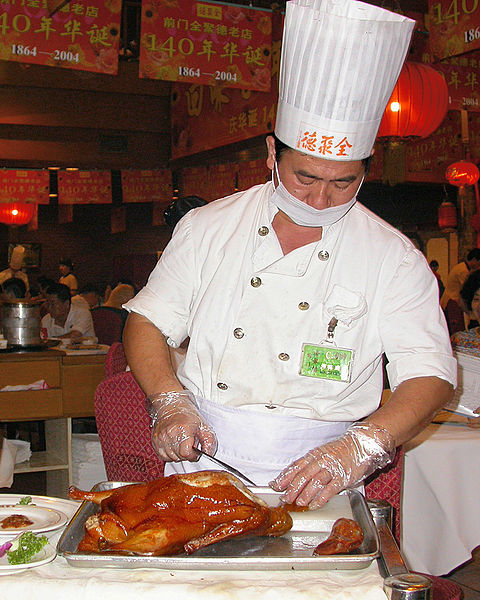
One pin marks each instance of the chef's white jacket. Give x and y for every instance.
(224, 282)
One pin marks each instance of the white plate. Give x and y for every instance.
(68, 507)
(43, 519)
(46, 555)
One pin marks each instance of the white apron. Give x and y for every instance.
(257, 444)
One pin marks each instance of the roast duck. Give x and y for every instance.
(175, 514)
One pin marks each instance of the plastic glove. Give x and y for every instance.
(327, 470)
(176, 426)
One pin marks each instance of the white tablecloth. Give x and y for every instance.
(59, 581)
(441, 498)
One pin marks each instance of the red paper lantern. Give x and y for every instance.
(462, 173)
(447, 216)
(16, 213)
(418, 103)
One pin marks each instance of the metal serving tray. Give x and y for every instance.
(294, 550)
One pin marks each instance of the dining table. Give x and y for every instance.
(441, 498)
(58, 580)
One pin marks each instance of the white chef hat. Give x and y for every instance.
(340, 62)
(16, 258)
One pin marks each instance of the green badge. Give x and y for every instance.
(326, 362)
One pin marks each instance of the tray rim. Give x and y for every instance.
(193, 562)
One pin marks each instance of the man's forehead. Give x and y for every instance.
(315, 165)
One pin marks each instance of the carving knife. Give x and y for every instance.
(225, 466)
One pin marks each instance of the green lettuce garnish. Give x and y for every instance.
(25, 500)
(25, 548)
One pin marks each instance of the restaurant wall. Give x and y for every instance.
(88, 241)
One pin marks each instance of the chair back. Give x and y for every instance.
(386, 484)
(108, 323)
(455, 317)
(115, 361)
(124, 432)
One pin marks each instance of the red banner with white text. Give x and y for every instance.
(23, 185)
(206, 117)
(454, 27)
(206, 43)
(147, 186)
(84, 187)
(82, 35)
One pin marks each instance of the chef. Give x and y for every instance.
(291, 292)
(14, 269)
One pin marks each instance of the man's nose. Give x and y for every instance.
(319, 198)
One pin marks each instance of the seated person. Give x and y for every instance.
(470, 339)
(470, 294)
(67, 276)
(13, 289)
(121, 294)
(64, 319)
(88, 296)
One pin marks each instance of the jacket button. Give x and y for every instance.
(283, 356)
(255, 282)
(238, 333)
(263, 231)
(304, 306)
(323, 255)
(222, 386)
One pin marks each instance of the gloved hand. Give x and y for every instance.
(176, 426)
(327, 470)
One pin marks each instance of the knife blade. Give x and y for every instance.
(224, 465)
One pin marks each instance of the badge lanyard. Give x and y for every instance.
(327, 361)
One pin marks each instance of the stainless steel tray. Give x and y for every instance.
(294, 550)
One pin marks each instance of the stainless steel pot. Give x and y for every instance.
(21, 323)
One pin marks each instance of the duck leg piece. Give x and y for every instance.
(346, 535)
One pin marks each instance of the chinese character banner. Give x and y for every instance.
(84, 187)
(206, 43)
(454, 27)
(82, 35)
(147, 186)
(24, 186)
(206, 117)
(462, 76)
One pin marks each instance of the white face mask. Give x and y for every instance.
(303, 214)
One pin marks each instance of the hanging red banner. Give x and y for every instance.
(147, 186)
(82, 35)
(195, 183)
(21, 185)
(206, 43)
(33, 223)
(428, 158)
(221, 180)
(84, 187)
(252, 172)
(205, 117)
(462, 77)
(454, 27)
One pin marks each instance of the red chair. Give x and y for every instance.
(123, 429)
(108, 323)
(386, 484)
(115, 361)
(454, 316)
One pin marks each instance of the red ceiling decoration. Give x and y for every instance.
(418, 104)
(462, 173)
(16, 213)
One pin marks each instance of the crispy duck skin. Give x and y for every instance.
(346, 535)
(175, 514)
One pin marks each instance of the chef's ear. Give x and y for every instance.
(271, 152)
